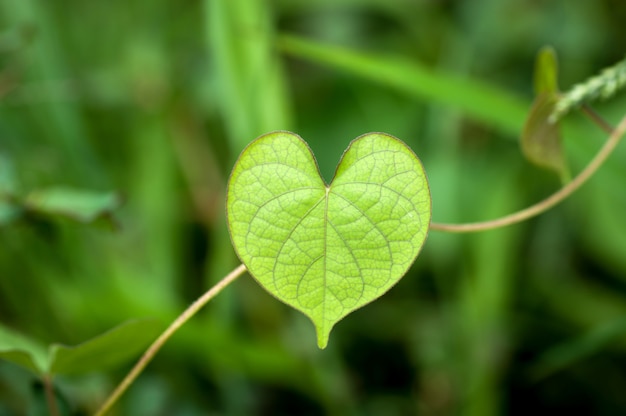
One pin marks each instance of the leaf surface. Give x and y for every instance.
(327, 250)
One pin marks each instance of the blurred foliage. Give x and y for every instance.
(155, 99)
(97, 354)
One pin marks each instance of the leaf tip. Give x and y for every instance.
(546, 71)
(322, 340)
(323, 333)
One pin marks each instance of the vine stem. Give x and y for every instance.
(596, 118)
(48, 386)
(165, 336)
(549, 202)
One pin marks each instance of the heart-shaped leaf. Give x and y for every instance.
(327, 250)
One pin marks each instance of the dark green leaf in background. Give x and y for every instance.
(23, 351)
(76, 204)
(112, 348)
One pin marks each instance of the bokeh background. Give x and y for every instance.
(155, 99)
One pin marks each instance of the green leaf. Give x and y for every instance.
(546, 72)
(114, 347)
(111, 348)
(79, 205)
(21, 350)
(327, 250)
(541, 137)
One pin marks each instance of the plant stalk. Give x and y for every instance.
(165, 336)
(48, 387)
(549, 202)
(597, 119)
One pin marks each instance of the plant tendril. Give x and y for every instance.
(549, 202)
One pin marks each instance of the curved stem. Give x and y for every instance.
(162, 339)
(549, 202)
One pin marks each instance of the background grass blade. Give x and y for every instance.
(482, 101)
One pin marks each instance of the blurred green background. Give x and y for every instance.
(155, 99)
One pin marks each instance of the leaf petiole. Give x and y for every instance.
(597, 119)
(48, 386)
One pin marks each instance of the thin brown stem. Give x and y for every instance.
(162, 339)
(48, 387)
(597, 119)
(549, 202)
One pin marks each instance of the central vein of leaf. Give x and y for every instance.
(327, 189)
